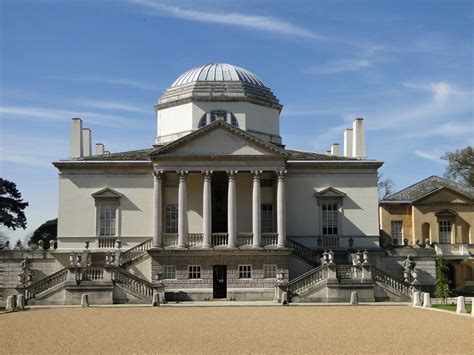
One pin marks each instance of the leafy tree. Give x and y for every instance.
(385, 186)
(460, 166)
(46, 232)
(442, 282)
(11, 206)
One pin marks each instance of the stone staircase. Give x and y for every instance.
(134, 254)
(40, 288)
(311, 256)
(334, 283)
(307, 281)
(128, 282)
(116, 275)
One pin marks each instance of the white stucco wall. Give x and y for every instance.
(174, 122)
(77, 210)
(359, 209)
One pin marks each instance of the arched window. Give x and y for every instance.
(202, 121)
(218, 115)
(233, 120)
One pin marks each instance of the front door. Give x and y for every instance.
(220, 281)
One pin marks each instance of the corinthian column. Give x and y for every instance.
(206, 210)
(256, 210)
(157, 223)
(182, 210)
(281, 209)
(232, 210)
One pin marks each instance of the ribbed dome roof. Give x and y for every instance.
(217, 72)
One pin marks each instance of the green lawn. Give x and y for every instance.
(452, 307)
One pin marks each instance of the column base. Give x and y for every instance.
(281, 246)
(206, 246)
(257, 247)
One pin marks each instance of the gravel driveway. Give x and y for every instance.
(323, 329)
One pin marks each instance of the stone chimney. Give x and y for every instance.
(76, 147)
(358, 139)
(335, 149)
(86, 142)
(99, 149)
(348, 142)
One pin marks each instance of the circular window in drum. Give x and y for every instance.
(215, 115)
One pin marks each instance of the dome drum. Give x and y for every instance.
(188, 104)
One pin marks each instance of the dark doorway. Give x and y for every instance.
(219, 202)
(220, 281)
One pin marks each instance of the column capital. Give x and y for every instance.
(232, 174)
(182, 174)
(207, 174)
(158, 174)
(281, 174)
(256, 174)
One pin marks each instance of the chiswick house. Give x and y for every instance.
(216, 206)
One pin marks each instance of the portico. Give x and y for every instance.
(234, 237)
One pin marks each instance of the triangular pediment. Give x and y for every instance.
(444, 195)
(219, 139)
(107, 193)
(446, 213)
(330, 192)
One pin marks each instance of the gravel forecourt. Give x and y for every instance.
(264, 330)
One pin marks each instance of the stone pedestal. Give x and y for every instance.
(284, 298)
(426, 300)
(11, 303)
(354, 299)
(156, 300)
(20, 304)
(84, 300)
(416, 299)
(461, 305)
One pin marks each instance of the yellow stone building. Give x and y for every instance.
(437, 212)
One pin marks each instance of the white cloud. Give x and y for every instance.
(112, 81)
(435, 157)
(50, 114)
(339, 66)
(448, 129)
(113, 105)
(264, 23)
(443, 103)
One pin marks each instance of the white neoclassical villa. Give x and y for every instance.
(218, 194)
(217, 207)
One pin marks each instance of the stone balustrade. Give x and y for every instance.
(133, 282)
(307, 280)
(195, 239)
(348, 272)
(135, 252)
(218, 239)
(244, 239)
(46, 283)
(270, 239)
(92, 274)
(452, 249)
(384, 278)
(106, 242)
(170, 239)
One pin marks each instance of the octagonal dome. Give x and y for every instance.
(218, 82)
(217, 72)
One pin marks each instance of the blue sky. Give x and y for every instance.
(405, 66)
